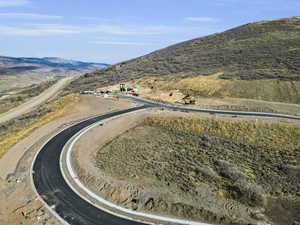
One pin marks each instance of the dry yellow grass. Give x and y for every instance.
(206, 85)
(213, 86)
(276, 136)
(57, 107)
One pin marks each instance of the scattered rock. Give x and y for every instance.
(149, 205)
(206, 144)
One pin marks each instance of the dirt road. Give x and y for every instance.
(36, 101)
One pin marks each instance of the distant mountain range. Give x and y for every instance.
(21, 72)
(12, 65)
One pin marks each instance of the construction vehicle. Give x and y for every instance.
(189, 100)
(122, 88)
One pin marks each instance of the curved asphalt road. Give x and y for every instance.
(51, 186)
(54, 190)
(211, 111)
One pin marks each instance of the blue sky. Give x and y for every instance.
(116, 30)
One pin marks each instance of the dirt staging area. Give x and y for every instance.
(145, 181)
(18, 203)
(219, 103)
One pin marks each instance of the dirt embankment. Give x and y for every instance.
(135, 173)
(18, 202)
(167, 91)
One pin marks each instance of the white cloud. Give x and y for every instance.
(59, 29)
(28, 16)
(124, 43)
(111, 29)
(9, 3)
(131, 30)
(38, 30)
(200, 19)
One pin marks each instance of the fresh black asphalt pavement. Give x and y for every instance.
(51, 186)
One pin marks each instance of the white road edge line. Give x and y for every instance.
(34, 159)
(224, 112)
(54, 213)
(74, 176)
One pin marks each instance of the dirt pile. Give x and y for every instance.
(19, 205)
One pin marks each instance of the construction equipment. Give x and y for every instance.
(189, 100)
(122, 88)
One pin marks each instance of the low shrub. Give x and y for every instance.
(229, 170)
(248, 193)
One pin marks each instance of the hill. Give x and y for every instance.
(21, 72)
(264, 50)
(22, 64)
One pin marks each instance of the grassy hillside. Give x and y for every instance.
(15, 130)
(20, 96)
(264, 50)
(244, 163)
(213, 86)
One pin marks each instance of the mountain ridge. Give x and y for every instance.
(24, 71)
(10, 62)
(262, 50)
